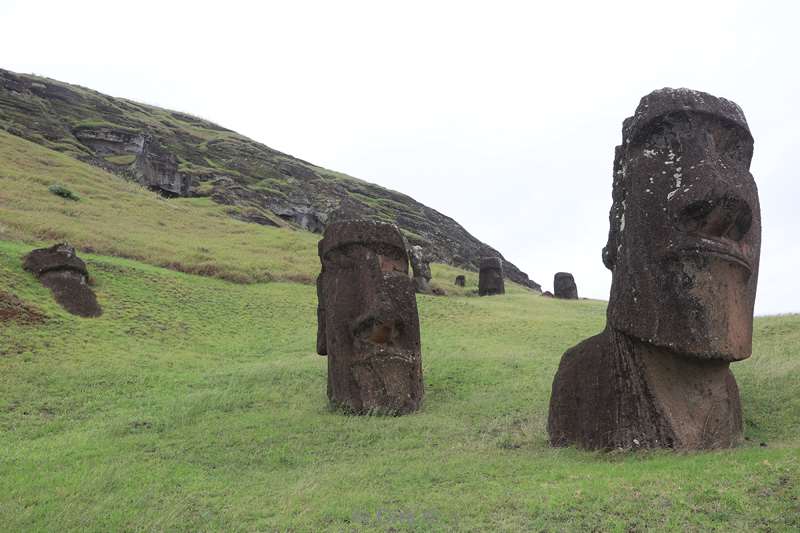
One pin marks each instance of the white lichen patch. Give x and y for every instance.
(649, 153)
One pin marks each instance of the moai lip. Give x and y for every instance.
(64, 273)
(683, 248)
(564, 286)
(368, 325)
(490, 277)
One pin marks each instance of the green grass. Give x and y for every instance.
(123, 219)
(194, 403)
(198, 404)
(121, 159)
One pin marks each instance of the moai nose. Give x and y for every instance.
(376, 330)
(726, 217)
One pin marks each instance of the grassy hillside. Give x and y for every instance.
(121, 218)
(195, 403)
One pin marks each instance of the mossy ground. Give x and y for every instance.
(195, 403)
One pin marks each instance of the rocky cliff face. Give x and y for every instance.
(181, 155)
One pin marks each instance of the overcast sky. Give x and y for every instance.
(502, 115)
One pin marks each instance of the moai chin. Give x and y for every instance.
(683, 249)
(564, 286)
(490, 277)
(61, 270)
(367, 319)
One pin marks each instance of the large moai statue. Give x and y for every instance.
(683, 249)
(490, 277)
(421, 268)
(367, 319)
(65, 274)
(564, 286)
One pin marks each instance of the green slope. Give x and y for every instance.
(195, 403)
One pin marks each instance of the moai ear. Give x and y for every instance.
(322, 340)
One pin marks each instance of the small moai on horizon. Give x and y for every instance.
(564, 286)
(367, 320)
(490, 277)
(461, 280)
(683, 248)
(61, 270)
(421, 268)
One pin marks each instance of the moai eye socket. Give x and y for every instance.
(727, 217)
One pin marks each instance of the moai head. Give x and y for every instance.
(65, 274)
(461, 280)
(685, 226)
(564, 286)
(367, 319)
(490, 278)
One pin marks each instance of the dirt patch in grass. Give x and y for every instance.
(12, 309)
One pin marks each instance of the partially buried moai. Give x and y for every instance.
(61, 270)
(461, 280)
(683, 249)
(421, 268)
(490, 277)
(564, 286)
(367, 319)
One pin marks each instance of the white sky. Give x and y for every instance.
(502, 115)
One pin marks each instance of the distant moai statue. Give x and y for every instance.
(421, 268)
(61, 270)
(564, 286)
(367, 319)
(683, 249)
(490, 278)
(461, 281)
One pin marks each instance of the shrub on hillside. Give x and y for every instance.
(60, 190)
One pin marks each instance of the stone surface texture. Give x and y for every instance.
(490, 277)
(368, 324)
(564, 286)
(683, 248)
(65, 274)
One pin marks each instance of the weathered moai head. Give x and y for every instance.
(65, 274)
(564, 286)
(685, 226)
(490, 278)
(367, 319)
(461, 280)
(421, 267)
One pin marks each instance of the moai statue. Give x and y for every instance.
(564, 286)
(461, 281)
(65, 274)
(683, 249)
(367, 319)
(421, 268)
(490, 278)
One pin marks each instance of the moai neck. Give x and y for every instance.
(693, 403)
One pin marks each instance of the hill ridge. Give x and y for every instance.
(182, 155)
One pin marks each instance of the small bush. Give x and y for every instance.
(60, 190)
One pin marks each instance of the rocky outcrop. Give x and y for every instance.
(180, 155)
